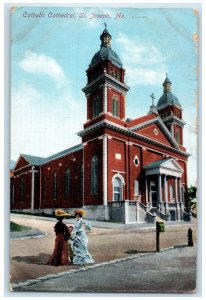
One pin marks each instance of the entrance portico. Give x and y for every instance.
(164, 188)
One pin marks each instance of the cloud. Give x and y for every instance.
(39, 128)
(43, 64)
(145, 63)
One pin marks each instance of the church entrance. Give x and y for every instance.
(153, 192)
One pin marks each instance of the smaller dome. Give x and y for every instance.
(106, 53)
(168, 98)
(105, 31)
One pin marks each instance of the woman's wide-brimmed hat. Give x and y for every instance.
(80, 211)
(61, 213)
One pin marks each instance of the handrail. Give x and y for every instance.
(143, 206)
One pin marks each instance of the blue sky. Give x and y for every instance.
(49, 57)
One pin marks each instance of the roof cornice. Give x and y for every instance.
(169, 104)
(161, 124)
(107, 79)
(127, 131)
(175, 119)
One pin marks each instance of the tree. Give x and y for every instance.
(192, 199)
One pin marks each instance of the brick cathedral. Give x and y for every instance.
(124, 170)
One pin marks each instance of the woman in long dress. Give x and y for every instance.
(81, 254)
(59, 256)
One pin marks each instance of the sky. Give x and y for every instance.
(50, 54)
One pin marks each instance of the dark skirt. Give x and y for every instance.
(59, 256)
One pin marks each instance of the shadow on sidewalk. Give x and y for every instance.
(40, 259)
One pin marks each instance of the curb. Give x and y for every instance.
(29, 237)
(109, 225)
(84, 269)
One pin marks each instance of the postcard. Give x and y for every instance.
(103, 174)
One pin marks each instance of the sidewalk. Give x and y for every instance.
(106, 224)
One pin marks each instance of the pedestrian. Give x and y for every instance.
(71, 236)
(59, 256)
(81, 254)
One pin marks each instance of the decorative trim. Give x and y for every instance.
(105, 98)
(105, 162)
(116, 171)
(119, 128)
(107, 79)
(174, 119)
(136, 158)
(122, 185)
(161, 124)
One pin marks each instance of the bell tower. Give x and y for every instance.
(170, 111)
(105, 90)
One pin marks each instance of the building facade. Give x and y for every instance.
(124, 170)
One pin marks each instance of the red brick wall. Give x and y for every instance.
(73, 162)
(135, 171)
(94, 147)
(121, 100)
(99, 93)
(150, 132)
(21, 163)
(26, 203)
(114, 164)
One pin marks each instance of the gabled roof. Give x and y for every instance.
(63, 153)
(36, 160)
(141, 120)
(33, 160)
(168, 166)
(156, 163)
(156, 119)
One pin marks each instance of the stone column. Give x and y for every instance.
(166, 194)
(180, 200)
(146, 190)
(105, 98)
(177, 200)
(105, 170)
(159, 191)
(176, 192)
(32, 187)
(180, 190)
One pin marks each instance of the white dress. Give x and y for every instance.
(80, 241)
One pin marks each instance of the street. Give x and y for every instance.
(144, 273)
(171, 271)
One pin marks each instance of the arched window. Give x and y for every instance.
(12, 193)
(22, 189)
(115, 107)
(54, 187)
(95, 106)
(178, 135)
(171, 193)
(67, 183)
(117, 189)
(44, 188)
(94, 175)
(136, 188)
(81, 181)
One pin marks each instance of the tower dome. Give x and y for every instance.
(105, 52)
(167, 97)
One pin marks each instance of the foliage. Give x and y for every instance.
(191, 194)
(17, 227)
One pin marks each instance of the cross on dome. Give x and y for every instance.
(153, 97)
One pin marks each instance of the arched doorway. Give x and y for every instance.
(118, 182)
